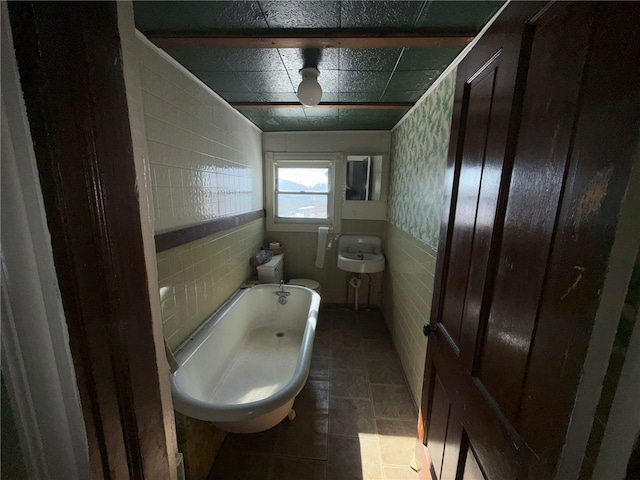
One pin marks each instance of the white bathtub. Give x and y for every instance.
(244, 367)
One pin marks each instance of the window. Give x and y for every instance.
(300, 191)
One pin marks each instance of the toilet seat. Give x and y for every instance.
(305, 282)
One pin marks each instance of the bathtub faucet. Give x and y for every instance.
(282, 295)
(281, 292)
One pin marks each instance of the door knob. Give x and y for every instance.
(428, 329)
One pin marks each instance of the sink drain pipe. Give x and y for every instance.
(355, 282)
(368, 290)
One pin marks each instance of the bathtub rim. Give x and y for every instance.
(190, 406)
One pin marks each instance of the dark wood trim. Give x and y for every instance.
(310, 38)
(337, 105)
(70, 63)
(175, 238)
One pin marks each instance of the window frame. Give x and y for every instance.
(332, 161)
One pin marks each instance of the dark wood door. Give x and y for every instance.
(529, 220)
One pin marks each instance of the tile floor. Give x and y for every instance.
(355, 416)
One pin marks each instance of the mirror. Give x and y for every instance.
(364, 177)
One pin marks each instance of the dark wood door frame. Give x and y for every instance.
(71, 69)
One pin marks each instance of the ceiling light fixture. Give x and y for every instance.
(309, 90)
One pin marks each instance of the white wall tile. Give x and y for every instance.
(160, 175)
(406, 301)
(198, 277)
(163, 198)
(151, 81)
(203, 158)
(152, 104)
(192, 131)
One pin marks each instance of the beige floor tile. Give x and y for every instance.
(344, 322)
(289, 468)
(322, 346)
(353, 459)
(323, 324)
(319, 369)
(399, 473)
(351, 358)
(314, 398)
(240, 466)
(371, 321)
(379, 348)
(397, 441)
(262, 442)
(346, 339)
(375, 331)
(305, 437)
(387, 371)
(349, 383)
(392, 401)
(351, 417)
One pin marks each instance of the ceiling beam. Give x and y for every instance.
(345, 105)
(310, 38)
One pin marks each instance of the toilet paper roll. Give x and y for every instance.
(322, 245)
(274, 244)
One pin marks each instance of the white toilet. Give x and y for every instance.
(273, 270)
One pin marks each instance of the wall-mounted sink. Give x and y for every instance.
(360, 254)
(361, 262)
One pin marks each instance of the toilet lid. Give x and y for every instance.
(305, 282)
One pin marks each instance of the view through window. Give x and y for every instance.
(302, 192)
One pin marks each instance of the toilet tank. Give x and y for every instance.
(272, 271)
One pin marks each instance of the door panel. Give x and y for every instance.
(538, 172)
(484, 212)
(451, 459)
(486, 429)
(518, 261)
(605, 136)
(476, 105)
(472, 469)
(440, 420)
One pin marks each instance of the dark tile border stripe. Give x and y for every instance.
(175, 238)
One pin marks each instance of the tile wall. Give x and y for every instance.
(419, 147)
(300, 256)
(198, 277)
(205, 162)
(407, 290)
(206, 158)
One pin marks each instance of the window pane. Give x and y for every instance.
(303, 179)
(302, 206)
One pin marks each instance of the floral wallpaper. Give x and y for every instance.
(418, 161)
